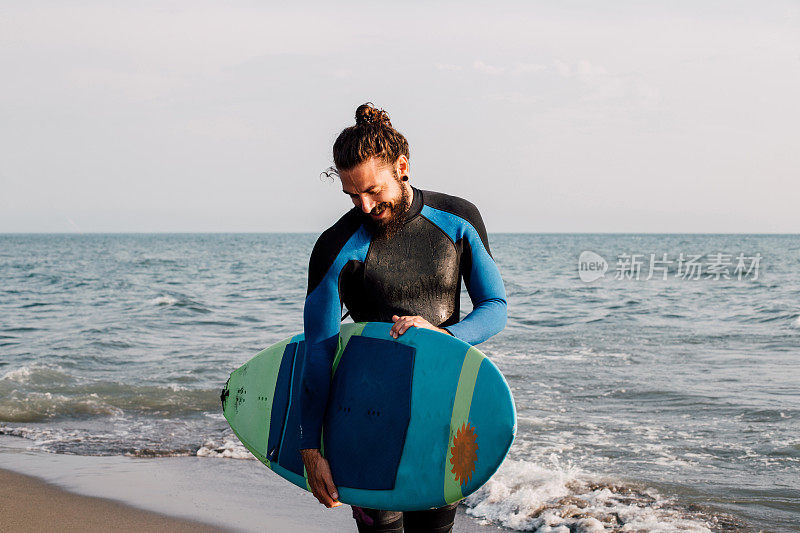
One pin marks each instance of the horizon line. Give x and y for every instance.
(317, 233)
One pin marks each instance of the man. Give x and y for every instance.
(398, 256)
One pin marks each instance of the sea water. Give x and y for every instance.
(663, 395)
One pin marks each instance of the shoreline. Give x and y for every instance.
(148, 494)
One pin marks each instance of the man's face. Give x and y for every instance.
(377, 190)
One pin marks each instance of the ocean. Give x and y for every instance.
(662, 396)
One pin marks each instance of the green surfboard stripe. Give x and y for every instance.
(461, 404)
(345, 333)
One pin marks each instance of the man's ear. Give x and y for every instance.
(402, 166)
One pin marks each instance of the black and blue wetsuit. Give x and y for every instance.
(417, 271)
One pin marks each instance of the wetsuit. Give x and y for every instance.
(418, 271)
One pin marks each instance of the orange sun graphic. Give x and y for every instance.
(464, 453)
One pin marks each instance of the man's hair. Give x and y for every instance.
(371, 136)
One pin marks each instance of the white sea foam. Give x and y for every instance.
(797, 322)
(164, 300)
(20, 374)
(42, 437)
(529, 497)
(227, 449)
(36, 373)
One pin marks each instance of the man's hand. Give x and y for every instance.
(319, 478)
(402, 323)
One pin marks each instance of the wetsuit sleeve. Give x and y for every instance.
(321, 319)
(483, 282)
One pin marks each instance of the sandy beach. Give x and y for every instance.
(29, 504)
(46, 491)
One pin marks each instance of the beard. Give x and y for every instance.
(388, 227)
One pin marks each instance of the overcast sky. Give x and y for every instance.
(549, 116)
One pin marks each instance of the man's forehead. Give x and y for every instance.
(364, 181)
(360, 188)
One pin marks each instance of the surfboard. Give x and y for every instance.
(412, 423)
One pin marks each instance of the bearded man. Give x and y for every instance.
(398, 256)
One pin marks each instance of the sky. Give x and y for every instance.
(561, 116)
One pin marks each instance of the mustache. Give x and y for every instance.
(378, 209)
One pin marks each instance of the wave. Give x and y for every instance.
(38, 393)
(528, 497)
(36, 304)
(178, 300)
(230, 448)
(132, 438)
(37, 407)
(164, 300)
(37, 374)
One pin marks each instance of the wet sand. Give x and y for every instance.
(29, 504)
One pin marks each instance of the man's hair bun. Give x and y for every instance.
(372, 136)
(368, 114)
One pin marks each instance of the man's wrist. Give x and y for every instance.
(310, 456)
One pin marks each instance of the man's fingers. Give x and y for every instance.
(334, 494)
(321, 493)
(402, 323)
(318, 494)
(399, 326)
(394, 331)
(325, 479)
(410, 321)
(330, 487)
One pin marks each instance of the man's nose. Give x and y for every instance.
(367, 204)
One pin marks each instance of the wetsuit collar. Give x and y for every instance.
(416, 204)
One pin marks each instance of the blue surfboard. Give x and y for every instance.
(412, 423)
